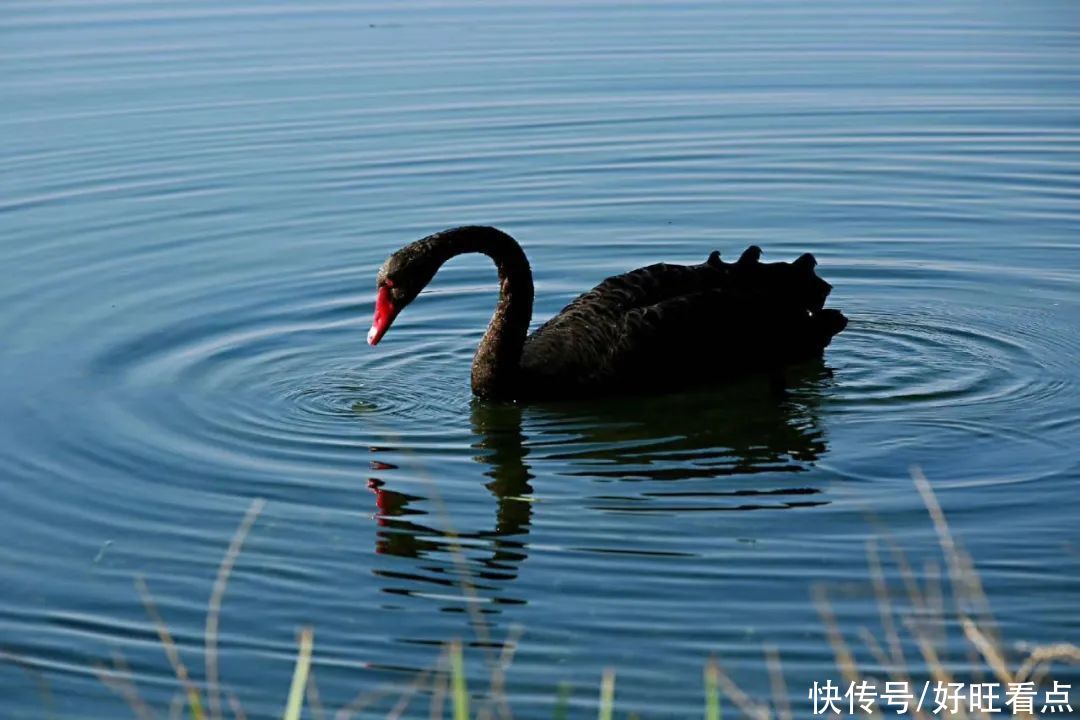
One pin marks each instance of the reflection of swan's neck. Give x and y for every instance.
(498, 357)
(499, 428)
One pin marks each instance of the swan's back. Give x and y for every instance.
(666, 325)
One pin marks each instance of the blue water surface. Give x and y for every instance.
(195, 197)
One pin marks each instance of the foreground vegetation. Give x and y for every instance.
(917, 623)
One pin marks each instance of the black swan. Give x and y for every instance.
(658, 327)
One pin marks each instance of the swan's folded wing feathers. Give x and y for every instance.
(755, 316)
(659, 323)
(716, 331)
(574, 346)
(646, 286)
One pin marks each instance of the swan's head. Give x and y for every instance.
(399, 281)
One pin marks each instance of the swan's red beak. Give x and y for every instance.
(385, 312)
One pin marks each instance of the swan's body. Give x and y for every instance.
(653, 328)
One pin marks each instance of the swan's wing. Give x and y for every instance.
(570, 348)
(644, 287)
(632, 328)
(716, 333)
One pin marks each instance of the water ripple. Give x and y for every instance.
(192, 222)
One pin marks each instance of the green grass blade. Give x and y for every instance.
(194, 706)
(300, 676)
(562, 704)
(712, 691)
(457, 681)
(607, 695)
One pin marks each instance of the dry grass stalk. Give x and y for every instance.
(234, 705)
(118, 679)
(845, 661)
(1043, 656)
(741, 700)
(885, 610)
(777, 683)
(313, 700)
(44, 691)
(213, 612)
(441, 687)
(497, 686)
(171, 651)
(419, 683)
(177, 705)
(359, 702)
(990, 653)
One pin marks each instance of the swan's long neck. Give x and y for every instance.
(497, 362)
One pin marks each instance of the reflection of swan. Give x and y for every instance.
(655, 328)
(730, 432)
(734, 430)
(401, 534)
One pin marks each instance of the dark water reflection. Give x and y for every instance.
(737, 430)
(403, 533)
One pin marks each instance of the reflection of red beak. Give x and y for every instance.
(385, 312)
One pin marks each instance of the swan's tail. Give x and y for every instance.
(826, 324)
(786, 297)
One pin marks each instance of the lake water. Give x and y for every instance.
(196, 197)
